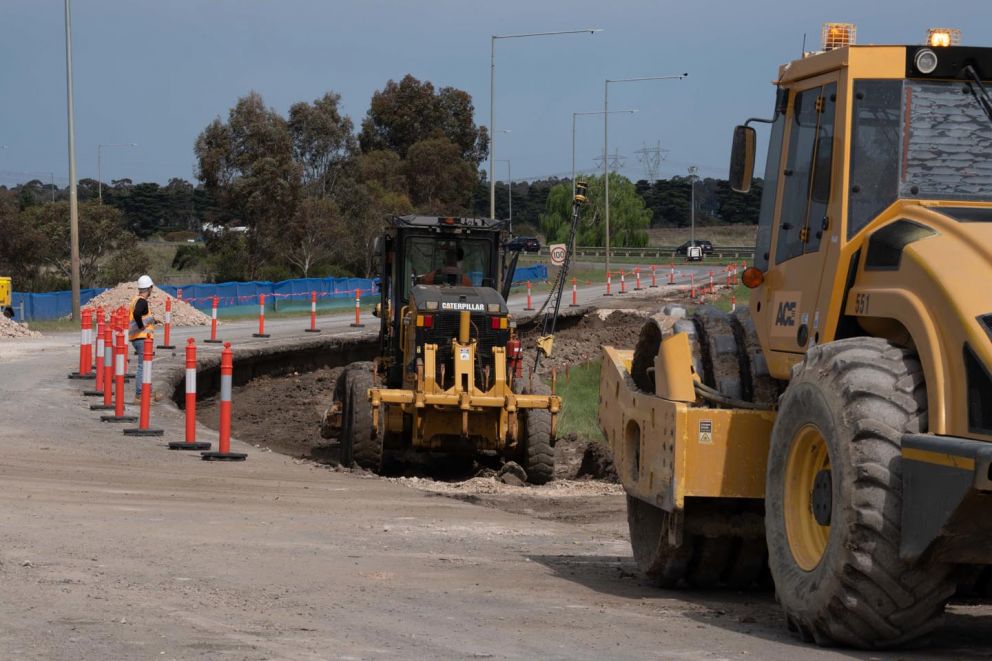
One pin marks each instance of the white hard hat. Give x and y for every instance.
(145, 282)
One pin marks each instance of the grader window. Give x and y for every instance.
(451, 261)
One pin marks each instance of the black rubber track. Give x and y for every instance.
(863, 394)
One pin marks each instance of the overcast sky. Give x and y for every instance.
(156, 72)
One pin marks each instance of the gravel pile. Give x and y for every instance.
(183, 314)
(10, 329)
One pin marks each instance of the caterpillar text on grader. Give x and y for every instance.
(839, 430)
(449, 375)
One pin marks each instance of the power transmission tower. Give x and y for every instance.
(651, 158)
(617, 161)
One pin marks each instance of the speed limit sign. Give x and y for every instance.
(558, 252)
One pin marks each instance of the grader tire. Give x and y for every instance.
(665, 565)
(327, 429)
(842, 418)
(360, 444)
(538, 454)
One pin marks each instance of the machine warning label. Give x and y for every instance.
(705, 432)
(463, 354)
(454, 305)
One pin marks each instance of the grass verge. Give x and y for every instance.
(579, 391)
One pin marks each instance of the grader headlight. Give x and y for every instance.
(942, 37)
(837, 35)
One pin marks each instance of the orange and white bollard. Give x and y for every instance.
(671, 273)
(98, 352)
(637, 278)
(190, 443)
(261, 317)
(167, 327)
(120, 353)
(144, 417)
(85, 346)
(609, 284)
(654, 277)
(313, 314)
(692, 285)
(108, 369)
(213, 322)
(575, 293)
(94, 339)
(358, 310)
(733, 302)
(530, 306)
(623, 283)
(711, 283)
(223, 452)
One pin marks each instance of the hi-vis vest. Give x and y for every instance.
(133, 332)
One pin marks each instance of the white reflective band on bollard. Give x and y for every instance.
(225, 388)
(168, 316)
(191, 381)
(119, 365)
(146, 373)
(213, 313)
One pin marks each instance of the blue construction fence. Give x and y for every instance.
(235, 298)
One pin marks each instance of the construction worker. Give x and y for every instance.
(140, 327)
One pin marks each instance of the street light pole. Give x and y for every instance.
(692, 204)
(492, 100)
(73, 201)
(509, 187)
(606, 146)
(574, 115)
(99, 165)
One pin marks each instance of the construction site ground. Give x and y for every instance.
(115, 548)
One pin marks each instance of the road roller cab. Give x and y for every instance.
(850, 408)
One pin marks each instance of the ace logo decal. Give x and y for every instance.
(785, 308)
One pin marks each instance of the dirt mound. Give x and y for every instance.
(585, 340)
(183, 314)
(11, 329)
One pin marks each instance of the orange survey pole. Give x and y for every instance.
(530, 306)
(190, 443)
(313, 314)
(85, 346)
(223, 452)
(575, 294)
(358, 310)
(98, 370)
(120, 352)
(167, 327)
(144, 420)
(261, 317)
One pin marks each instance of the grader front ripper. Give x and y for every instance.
(449, 376)
(839, 430)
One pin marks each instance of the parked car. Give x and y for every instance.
(683, 250)
(523, 243)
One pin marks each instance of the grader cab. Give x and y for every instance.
(448, 377)
(839, 432)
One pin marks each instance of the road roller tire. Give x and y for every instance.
(663, 564)
(360, 443)
(833, 500)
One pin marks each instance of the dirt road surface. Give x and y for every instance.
(116, 548)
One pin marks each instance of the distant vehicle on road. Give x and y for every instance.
(695, 252)
(524, 244)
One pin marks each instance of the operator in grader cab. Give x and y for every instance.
(451, 273)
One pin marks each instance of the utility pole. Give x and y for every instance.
(73, 197)
(692, 204)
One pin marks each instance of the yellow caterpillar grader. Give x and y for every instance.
(834, 438)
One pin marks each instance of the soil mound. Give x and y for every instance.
(183, 314)
(10, 329)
